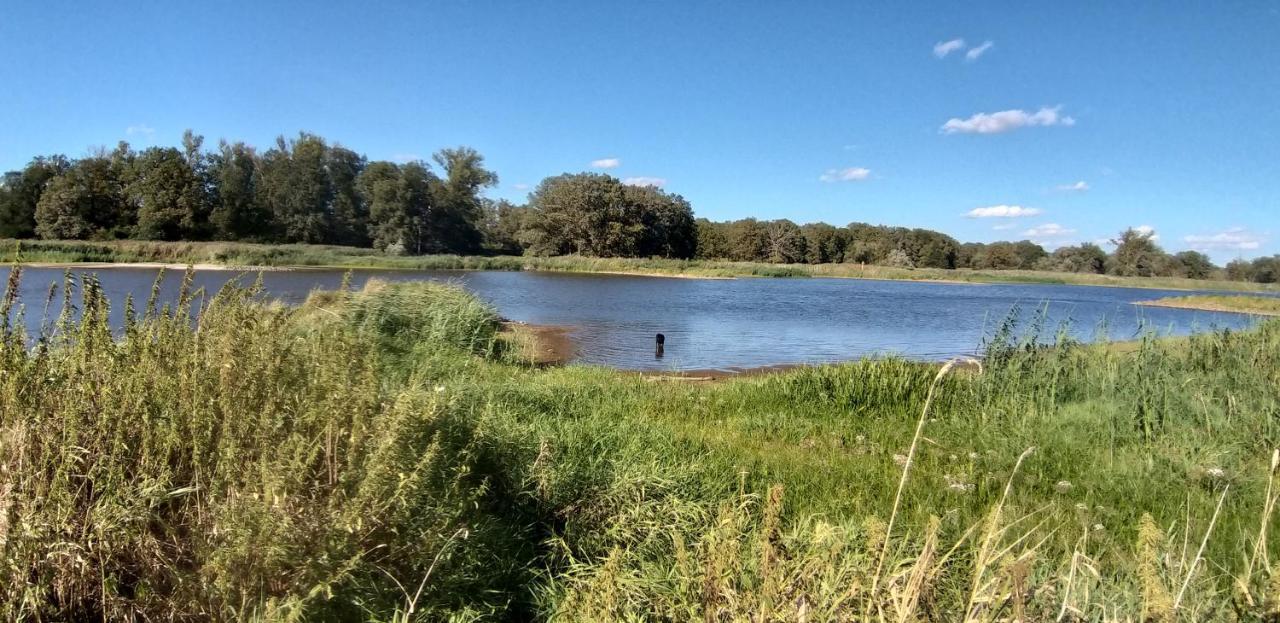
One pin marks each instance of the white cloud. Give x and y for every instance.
(1147, 230)
(942, 48)
(1049, 232)
(141, 129)
(1002, 211)
(520, 186)
(654, 182)
(973, 54)
(1234, 239)
(1077, 187)
(1006, 120)
(605, 163)
(850, 174)
(1004, 227)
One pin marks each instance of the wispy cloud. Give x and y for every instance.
(973, 54)
(1234, 239)
(1004, 226)
(1077, 187)
(142, 130)
(605, 163)
(403, 158)
(942, 48)
(520, 186)
(654, 182)
(1049, 233)
(1003, 211)
(1005, 121)
(850, 174)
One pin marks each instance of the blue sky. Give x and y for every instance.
(1081, 118)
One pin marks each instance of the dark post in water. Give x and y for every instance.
(658, 343)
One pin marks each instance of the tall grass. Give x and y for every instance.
(375, 455)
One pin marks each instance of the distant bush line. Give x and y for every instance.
(308, 190)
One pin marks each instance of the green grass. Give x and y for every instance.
(1259, 305)
(240, 254)
(324, 462)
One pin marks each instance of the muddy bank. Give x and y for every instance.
(541, 345)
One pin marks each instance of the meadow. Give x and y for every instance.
(390, 454)
(251, 255)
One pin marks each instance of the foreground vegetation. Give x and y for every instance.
(242, 255)
(386, 455)
(1262, 306)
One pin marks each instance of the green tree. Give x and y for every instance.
(667, 219)
(868, 244)
(503, 226)
(1266, 269)
(169, 194)
(1239, 269)
(20, 193)
(88, 200)
(748, 241)
(713, 240)
(1194, 264)
(1136, 255)
(585, 213)
(824, 243)
(1086, 258)
(349, 213)
(294, 186)
(399, 199)
(237, 213)
(454, 223)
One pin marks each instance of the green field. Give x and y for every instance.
(388, 455)
(240, 254)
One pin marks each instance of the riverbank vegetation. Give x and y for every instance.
(1263, 306)
(308, 190)
(250, 255)
(387, 455)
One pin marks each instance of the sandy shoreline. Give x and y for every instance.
(1209, 307)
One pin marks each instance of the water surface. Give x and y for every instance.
(724, 324)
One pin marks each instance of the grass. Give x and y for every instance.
(239, 254)
(1258, 305)
(387, 454)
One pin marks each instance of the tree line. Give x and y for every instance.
(310, 190)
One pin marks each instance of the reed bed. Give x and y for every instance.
(380, 455)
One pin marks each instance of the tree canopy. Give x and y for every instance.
(306, 189)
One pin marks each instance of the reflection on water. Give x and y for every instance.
(719, 324)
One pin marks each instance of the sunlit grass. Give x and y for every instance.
(1260, 305)
(324, 462)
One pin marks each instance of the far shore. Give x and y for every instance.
(165, 265)
(251, 257)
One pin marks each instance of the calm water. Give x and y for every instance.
(723, 324)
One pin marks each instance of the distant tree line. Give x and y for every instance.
(304, 190)
(309, 190)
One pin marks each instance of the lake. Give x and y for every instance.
(718, 324)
